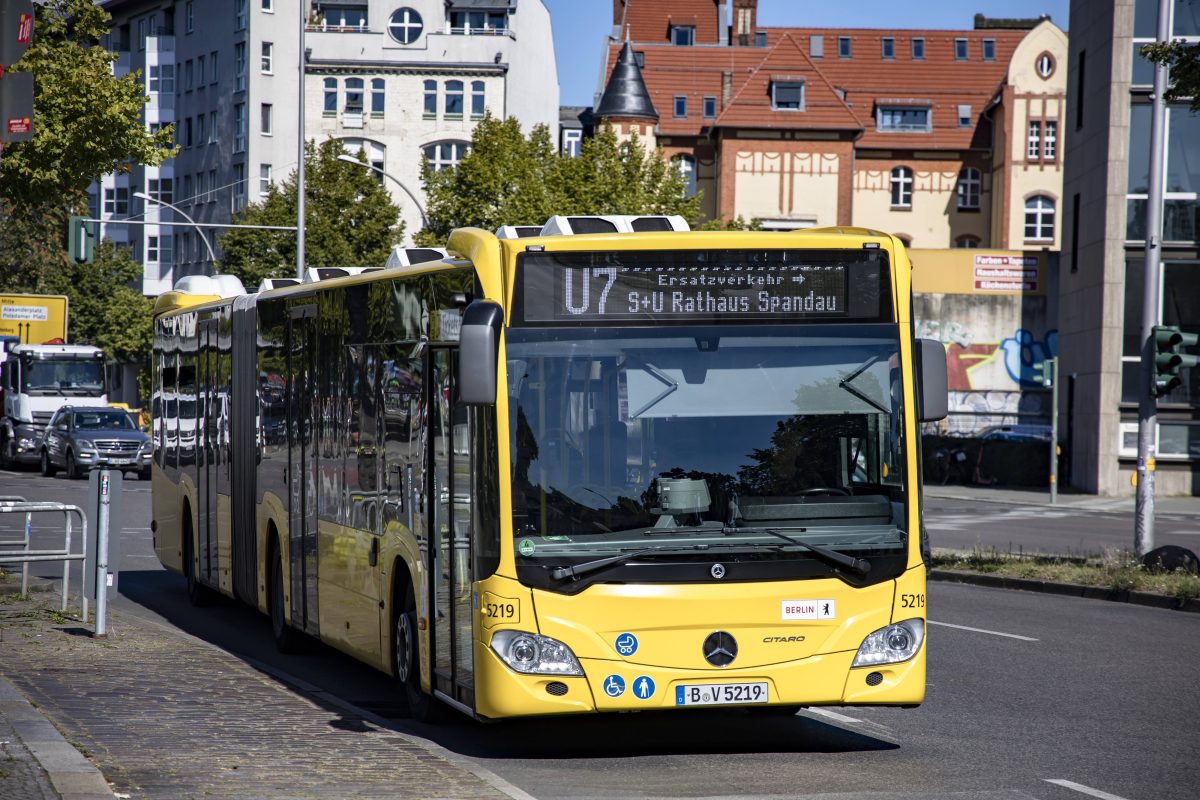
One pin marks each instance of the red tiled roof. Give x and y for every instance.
(650, 20)
(867, 79)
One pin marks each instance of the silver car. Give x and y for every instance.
(82, 438)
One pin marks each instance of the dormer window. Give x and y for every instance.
(683, 35)
(787, 95)
(903, 119)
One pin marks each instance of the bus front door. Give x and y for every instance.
(208, 386)
(450, 530)
(302, 467)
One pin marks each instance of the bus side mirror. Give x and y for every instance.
(478, 352)
(932, 394)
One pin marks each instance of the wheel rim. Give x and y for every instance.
(404, 648)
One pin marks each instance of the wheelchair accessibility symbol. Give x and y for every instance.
(626, 644)
(614, 686)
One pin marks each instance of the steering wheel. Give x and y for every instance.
(817, 490)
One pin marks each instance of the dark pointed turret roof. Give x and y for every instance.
(625, 96)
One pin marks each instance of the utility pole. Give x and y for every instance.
(1143, 524)
(302, 10)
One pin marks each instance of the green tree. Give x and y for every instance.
(510, 179)
(87, 122)
(1184, 62)
(350, 220)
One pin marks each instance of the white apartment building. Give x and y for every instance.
(405, 81)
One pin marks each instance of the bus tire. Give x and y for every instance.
(287, 639)
(406, 645)
(198, 594)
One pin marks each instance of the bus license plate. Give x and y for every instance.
(719, 694)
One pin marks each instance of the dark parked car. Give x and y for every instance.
(81, 438)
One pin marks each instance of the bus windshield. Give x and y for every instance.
(705, 437)
(73, 377)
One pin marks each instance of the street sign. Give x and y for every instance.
(16, 30)
(16, 88)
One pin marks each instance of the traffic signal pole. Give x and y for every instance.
(1143, 523)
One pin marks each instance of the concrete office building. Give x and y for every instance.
(1103, 252)
(405, 81)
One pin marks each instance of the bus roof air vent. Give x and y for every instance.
(518, 231)
(613, 223)
(218, 285)
(410, 256)
(277, 283)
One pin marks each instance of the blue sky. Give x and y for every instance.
(580, 26)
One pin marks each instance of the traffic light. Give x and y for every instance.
(80, 241)
(16, 88)
(1046, 368)
(1168, 360)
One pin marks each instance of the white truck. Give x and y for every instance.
(35, 381)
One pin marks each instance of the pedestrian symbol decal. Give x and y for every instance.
(626, 644)
(643, 687)
(614, 686)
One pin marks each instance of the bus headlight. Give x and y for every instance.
(531, 654)
(890, 645)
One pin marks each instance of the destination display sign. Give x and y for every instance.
(702, 286)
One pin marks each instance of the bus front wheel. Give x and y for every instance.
(406, 642)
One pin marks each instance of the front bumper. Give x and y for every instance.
(103, 460)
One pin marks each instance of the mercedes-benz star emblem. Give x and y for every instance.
(720, 649)
(718, 571)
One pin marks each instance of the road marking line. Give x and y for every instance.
(1083, 789)
(833, 715)
(981, 630)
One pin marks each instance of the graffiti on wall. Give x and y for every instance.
(973, 412)
(1013, 362)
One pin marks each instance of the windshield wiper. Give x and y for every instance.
(579, 570)
(846, 383)
(859, 566)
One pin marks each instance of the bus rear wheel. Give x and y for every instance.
(406, 655)
(198, 594)
(287, 640)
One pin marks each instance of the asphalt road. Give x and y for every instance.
(1030, 696)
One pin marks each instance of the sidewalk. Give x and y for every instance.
(161, 714)
(1066, 500)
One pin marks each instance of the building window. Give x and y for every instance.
(683, 35)
(1039, 218)
(268, 6)
(160, 189)
(346, 17)
(116, 200)
(187, 190)
(787, 95)
(918, 49)
(141, 34)
(264, 179)
(354, 94)
(267, 113)
(1079, 89)
(201, 63)
(960, 49)
(187, 76)
(904, 119)
(212, 185)
(843, 47)
(331, 92)
(902, 187)
(1075, 233)
(239, 128)
(888, 49)
(680, 106)
(212, 127)
(445, 155)
(477, 100)
(989, 49)
(710, 107)
(212, 67)
(158, 250)
(187, 132)
(968, 189)
(162, 78)
(1034, 148)
(189, 19)
(1050, 140)
(268, 57)
(572, 140)
(967, 242)
(377, 97)
(405, 25)
(454, 100)
(816, 46)
(478, 22)
(430, 100)
(239, 7)
(687, 169)
(964, 116)
(760, 38)
(239, 67)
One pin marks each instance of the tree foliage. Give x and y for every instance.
(1183, 59)
(507, 178)
(350, 220)
(86, 121)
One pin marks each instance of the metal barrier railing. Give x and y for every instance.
(10, 505)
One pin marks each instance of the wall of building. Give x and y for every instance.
(933, 220)
(790, 184)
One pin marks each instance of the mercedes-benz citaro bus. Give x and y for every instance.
(629, 469)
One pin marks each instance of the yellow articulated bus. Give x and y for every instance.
(567, 473)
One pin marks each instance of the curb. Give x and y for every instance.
(71, 775)
(1067, 589)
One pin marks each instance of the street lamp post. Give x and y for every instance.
(349, 159)
(211, 255)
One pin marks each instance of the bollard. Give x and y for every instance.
(102, 555)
